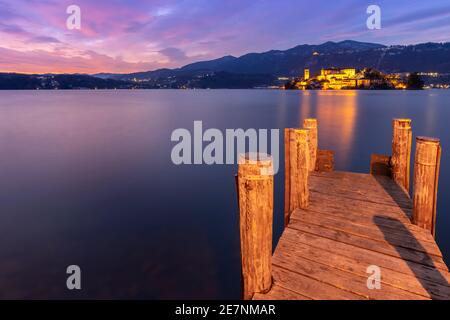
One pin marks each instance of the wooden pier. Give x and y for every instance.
(348, 235)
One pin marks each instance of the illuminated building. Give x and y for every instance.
(306, 75)
(396, 81)
(337, 79)
(349, 78)
(327, 74)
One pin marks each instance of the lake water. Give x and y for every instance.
(86, 178)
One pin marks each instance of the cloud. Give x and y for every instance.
(27, 36)
(174, 54)
(13, 29)
(39, 61)
(136, 26)
(163, 11)
(419, 15)
(135, 35)
(44, 39)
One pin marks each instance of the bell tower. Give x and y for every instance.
(306, 74)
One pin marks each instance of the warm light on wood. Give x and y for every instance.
(401, 152)
(287, 175)
(255, 190)
(299, 169)
(426, 176)
(311, 125)
(344, 227)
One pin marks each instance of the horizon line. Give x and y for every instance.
(229, 55)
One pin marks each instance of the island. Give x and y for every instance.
(351, 79)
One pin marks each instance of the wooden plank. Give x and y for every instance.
(368, 256)
(362, 180)
(356, 210)
(338, 278)
(391, 187)
(355, 221)
(344, 175)
(388, 223)
(310, 287)
(376, 246)
(370, 231)
(342, 204)
(351, 191)
(379, 184)
(356, 266)
(277, 292)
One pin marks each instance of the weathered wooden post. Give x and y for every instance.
(311, 125)
(297, 171)
(426, 176)
(401, 152)
(255, 190)
(287, 175)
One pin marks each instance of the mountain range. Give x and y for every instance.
(427, 57)
(257, 69)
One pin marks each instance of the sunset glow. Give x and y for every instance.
(128, 36)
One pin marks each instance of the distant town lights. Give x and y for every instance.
(347, 78)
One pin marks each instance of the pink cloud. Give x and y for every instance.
(137, 35)
(43, 62)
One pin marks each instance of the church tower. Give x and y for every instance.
(306, 74)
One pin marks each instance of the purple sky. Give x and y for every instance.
(134, 35)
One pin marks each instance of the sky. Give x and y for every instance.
(123, 36)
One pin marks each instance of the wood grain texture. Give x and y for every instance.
(312, 126)
(355, 221)
(426, 176)
(369, 231)
(368, 188)
(358, 265)
(299, 169)
(255, 186)
(279, 293)
(287, 175)
(343, 280)
(401, 151)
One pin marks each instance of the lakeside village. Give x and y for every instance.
(351, 79)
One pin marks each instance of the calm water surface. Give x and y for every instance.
(86, 178)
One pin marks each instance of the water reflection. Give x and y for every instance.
(337, 113)
(86, 178)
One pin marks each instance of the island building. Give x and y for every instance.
(337, 79)
(306, 75)
(346, 78)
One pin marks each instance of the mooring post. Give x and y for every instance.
(287, 175)
(426, 176)
(255, 189)
(401, 152)
(311, 125)
(298, 169)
